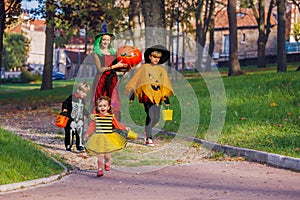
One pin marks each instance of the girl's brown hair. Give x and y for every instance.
(105, 98)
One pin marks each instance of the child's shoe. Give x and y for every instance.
(100, 173)
(68, 148)
(149, 142)
(107, 166)
(80, 149)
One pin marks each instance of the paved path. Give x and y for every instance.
(204, 180)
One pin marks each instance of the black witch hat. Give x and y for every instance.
(160, 48)
(104, 31)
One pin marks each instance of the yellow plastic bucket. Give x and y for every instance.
(167, 115)
(132, 135)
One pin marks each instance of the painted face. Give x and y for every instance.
(103, 107)
(105, 41)
(154, 59)
(82, 94)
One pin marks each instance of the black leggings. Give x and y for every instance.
(153, 115)
(69, 138)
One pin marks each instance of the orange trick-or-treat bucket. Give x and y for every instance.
(61, 121)
(167, 115)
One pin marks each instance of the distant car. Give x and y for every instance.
(58, 76)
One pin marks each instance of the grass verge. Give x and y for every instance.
(22, 160)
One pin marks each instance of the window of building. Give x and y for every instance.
(243, 38)
(226, 44)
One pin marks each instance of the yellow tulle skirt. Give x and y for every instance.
(105, 143)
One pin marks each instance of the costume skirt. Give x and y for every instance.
(105, 142)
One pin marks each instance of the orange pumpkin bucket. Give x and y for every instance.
(167, 115)
(61, 121)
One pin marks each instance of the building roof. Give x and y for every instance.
(245, 19)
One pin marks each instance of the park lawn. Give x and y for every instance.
(20, 94)
(262, 112)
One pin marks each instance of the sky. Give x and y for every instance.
(26, 4)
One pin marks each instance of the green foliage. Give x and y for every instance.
(23, 160)
(16, 47)
(246, 3)
(13, 9)
(27, 77)
(73, 15)
(296, 31)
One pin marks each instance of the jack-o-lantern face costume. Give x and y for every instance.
(151, 81)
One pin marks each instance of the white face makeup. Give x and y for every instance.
(105, 41)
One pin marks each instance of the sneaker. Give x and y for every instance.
(107, 167)
(149, 142)
(80, 149)
(68, 148)
(100, 173)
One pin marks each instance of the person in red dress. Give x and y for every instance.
(106, 80)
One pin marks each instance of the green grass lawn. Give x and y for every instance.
(262, 112)
(31, 94)
(22, 160)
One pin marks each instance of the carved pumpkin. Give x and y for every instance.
(129, 55)
(152, 81)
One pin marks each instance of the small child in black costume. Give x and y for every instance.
(74, 107)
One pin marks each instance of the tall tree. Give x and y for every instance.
(154, 17)
(9, 11)
(15, 53)
(234, 64)
(48, 65)
(281, 37)
(211, 37)
(134, 21)
(2, 27)
(199, 32)
(264, 28)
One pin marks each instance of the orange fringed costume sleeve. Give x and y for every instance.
(91, 128)
(118, 125)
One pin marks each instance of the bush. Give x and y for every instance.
(27, 77)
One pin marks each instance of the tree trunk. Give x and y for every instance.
(281, 38)
(48, 65)
(154, 17)
(2, 27)
(261, 45)
(199, 34)
(234, 68)
(211, 37)
(134, 21)
(264, 29)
